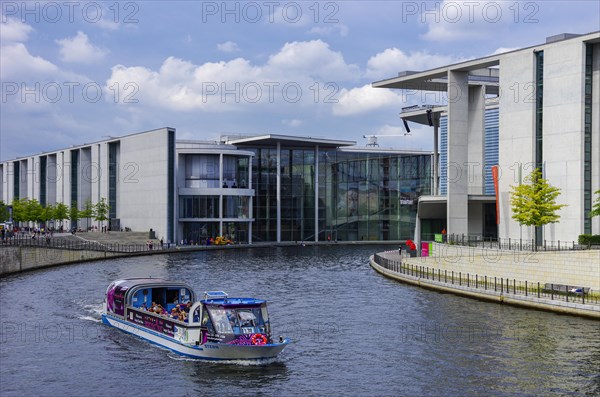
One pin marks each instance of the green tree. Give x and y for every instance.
(4, 215)
(33, 211)
(74, 214)
(534, 203)
(61, 212)
(47, 214)
(19, 210)
(596, 208)
(101, 209)
(87, 212)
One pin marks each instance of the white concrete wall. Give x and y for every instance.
(142, 182)
(563, 132)
(596, 132)
(51, 179)
(517, 132)
(476, 123)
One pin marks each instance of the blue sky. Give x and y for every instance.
(76, 72)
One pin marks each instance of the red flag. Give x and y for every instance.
(495, 178)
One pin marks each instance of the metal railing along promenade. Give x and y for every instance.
(510, 244)
(41, 241)
(484, 283)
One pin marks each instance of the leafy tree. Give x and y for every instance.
(74, 214)
(534, 203)
(19, 210)
(87, 212)
(61, 212)
(4, 215)
(33, 211)
(101, 209)
(596, 208)
(47, 214)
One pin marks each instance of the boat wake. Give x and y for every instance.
(92, 313)
(246, 363)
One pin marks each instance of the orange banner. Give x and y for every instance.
(495, 178)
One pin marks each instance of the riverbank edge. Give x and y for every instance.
(107, 255)
(588, 311)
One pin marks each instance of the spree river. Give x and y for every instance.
(355, 333)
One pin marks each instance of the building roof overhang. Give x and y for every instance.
(270, 140)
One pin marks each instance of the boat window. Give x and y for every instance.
(238, 320)
(221, 321)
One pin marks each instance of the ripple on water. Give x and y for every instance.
(355, 333)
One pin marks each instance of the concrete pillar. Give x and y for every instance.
(458, 177)
(221, 195)
(476, 139)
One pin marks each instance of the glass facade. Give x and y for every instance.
(539, 119)
(361, 195)
(43, 178)
(112, 179)
(587, 131)
(490, 149)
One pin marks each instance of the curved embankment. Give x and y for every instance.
(532, 302)
(18, 259)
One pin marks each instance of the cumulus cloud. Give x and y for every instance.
(17, 63)
(452, 20)
(14, 30)
(388, 63)
(364, 99)
(300, 73)
(503, 50)
(339, 29)
(78, 49)
(292, 122)
(228, 46)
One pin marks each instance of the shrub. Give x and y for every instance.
(588, 239)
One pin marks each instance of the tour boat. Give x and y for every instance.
(216, 328)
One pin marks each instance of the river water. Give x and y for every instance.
(355, 333)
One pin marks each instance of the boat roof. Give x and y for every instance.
(234, 302)
(127, 283)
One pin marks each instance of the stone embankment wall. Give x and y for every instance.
(19, 259)
(577, 268)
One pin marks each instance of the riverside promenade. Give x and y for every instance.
(529, 294)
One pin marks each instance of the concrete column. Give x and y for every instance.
(316, 193)
(595, 132)
(278, 191)
(458, 177)
(476, 139)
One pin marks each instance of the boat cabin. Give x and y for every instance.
(239, 321)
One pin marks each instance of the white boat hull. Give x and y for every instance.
(207, 351)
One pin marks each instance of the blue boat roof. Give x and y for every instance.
(234, 301)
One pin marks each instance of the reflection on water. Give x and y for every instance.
(355, 333)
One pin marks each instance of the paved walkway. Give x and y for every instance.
(391, 265)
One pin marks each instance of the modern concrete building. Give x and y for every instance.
(247, 188)
(536, 107)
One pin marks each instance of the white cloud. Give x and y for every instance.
(79, 49)
(299, 74)
(292, 122)
(364, 99)
(314, 58)
(452, 20)
(339, 28)
(503, 50)
(13, 30)
(17, 63)
(388, 63)
(228, 46)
